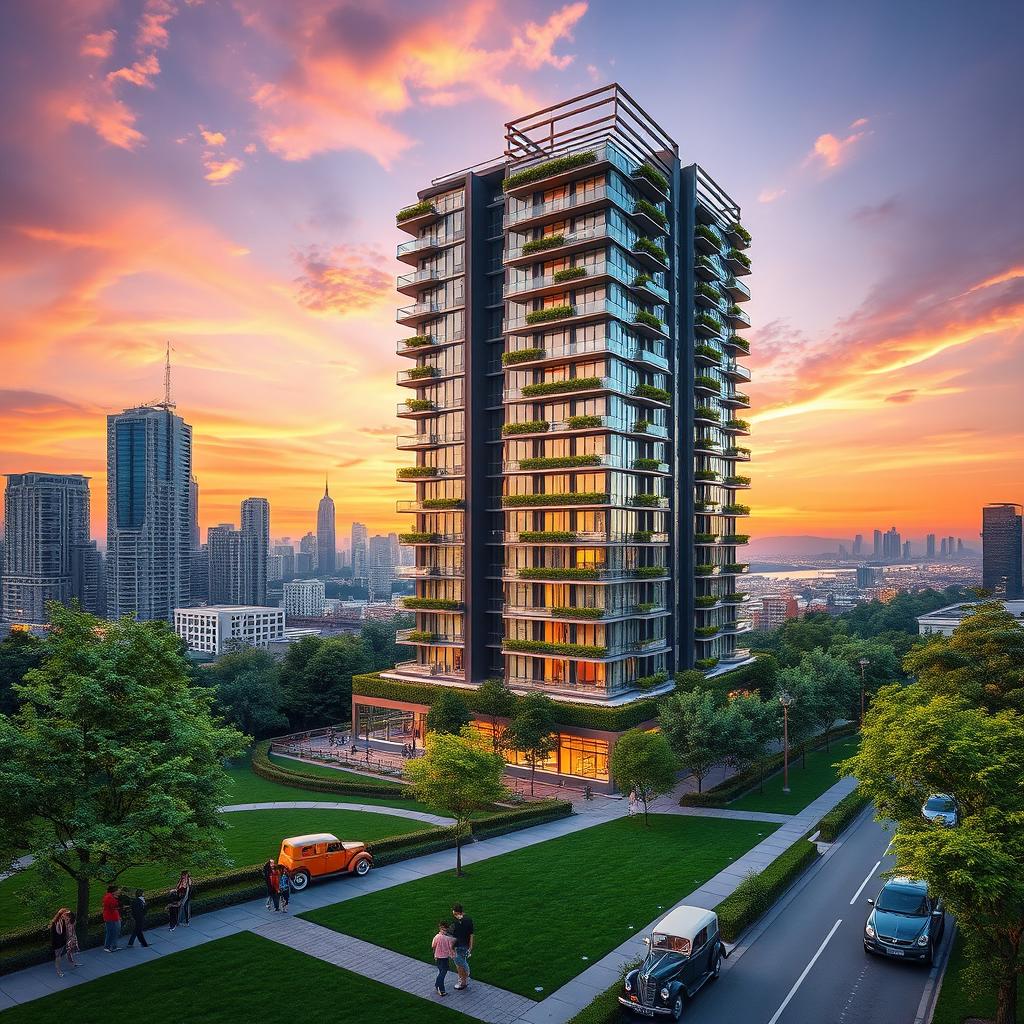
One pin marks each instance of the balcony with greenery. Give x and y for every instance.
(647, 463)
(649, 247)
(572, 575)
(707, 325)
(569, 274)
(431, 604)
(419, 404)
(739, 261)
(560, 461)
(542, 316)
(706, 600)
(737, 481)
(737, 426)
(583, 422)
(735, 452)
(568, 498)
(419, 538)
(702, 380)
(414, 472)
(705, 475)
(655, 394)
(736, 538)
(646, 500)
(641, 426)
(707, 294)
(705, 538)
(705, 664)
(741, 343)
(648, 172)
(642, 536)
(705, 445)
(734, 598)
(706, 632)
(423, 210)
(561, 611)
(522, 355)
(419, 636)
(418, 341)
(707, 354)
(543, 244)
(735, 510)
(646, 209)
(549, 647)
(705, 412)
(547, 536)
(431, 504)
(705, 507)
(421, 372)
(642, 318)
(706, 269)
(650, 572)
(740, 235)
(526, 427)
(547, 169)
(703, 569)
(735, 568)
(557, 387)
(706, 239)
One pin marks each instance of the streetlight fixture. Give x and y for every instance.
(863, 662)
(786, 699)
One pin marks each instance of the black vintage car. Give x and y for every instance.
(684, 951)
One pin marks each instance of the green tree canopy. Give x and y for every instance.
(531, 731)
(114, 758)
(495, 700)
(249, 693)
(760, 729)
(456, 775)
(379, 637)
(700, 729)
(801, 684)
(834, 692)
(18, 653)
(449, 713)
(324, 692)
(643, 762)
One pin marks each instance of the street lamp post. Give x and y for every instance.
(863, 662)
(786, 700)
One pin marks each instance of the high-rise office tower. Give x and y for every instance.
(199, 571)
(930, 545)
(891, 545)
(396, 549)
(858, 545)
(255, 523)
(326, 545)
(193, 513)
(876, 549)
(906, 550)
(305, 560)
(574, 407)
(959, 545)
(381, 568)
(359, 551)
(944, 548)
(1001, 549)
(951, 546)
(287, 553)
(226, 548)
(149, 526)
(48, 555)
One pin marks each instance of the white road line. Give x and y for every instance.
(871, 874)
(807, 970)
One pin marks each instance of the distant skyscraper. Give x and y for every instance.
(944, 549)
(930, 545)
(287, 555)
(1001, 535)
(877, 549)
(906, 550)
(305, 560)
(307, 545)
(858, 545)
(48, 555)
(255, 520)
(227, 564)
(326, 544)
(891, 545)
(869, 576)
(193, 513)
(359, 551)
(304, 598)
(149, 528)
(381, 568)
(199, 584)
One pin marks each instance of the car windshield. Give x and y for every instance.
(939, 803)
(670, 944)
(894, 899)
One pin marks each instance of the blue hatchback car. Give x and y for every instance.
(906, 922)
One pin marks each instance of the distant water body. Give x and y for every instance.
(820, 574)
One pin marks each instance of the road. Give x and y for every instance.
(806, 964)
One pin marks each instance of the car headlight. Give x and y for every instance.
(629, 985)
(664, 993)
(922, 939)
(869, 930)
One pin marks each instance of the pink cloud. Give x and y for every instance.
(152, 30)
(770, 195)
(99, 44)
(829, 151)
(343, 280)
(139, 73)
(218, 171)
(212, 138)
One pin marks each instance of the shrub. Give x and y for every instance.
(641, 279)
(653, 175)
(704, 538)
(709, 291)
(734, 598)
(736, 538)
(274, 772)
(704, 569)
(706, 663)
(641, 316)
(555, 387)
(652, 392)
(649, 246)
(646, 463)
(708, 321)
(569, 274)
(737, 481)
(642, 536)
(740, 257)
(705, 506)
(708, 352)
(431, 604)
(548, 647)
(549, 167)
(566, 612)
(442, 503)
(417, 341)
(704, 262)
(640, 427)
(705, 412)
(649, 682)
(735, 510)
(734, 451)
(418, 404)
(738, 424)
(650, 572)
(652, 211)
(540, 244)
(646, 500)
(740, 343)
(705, 474)
(542, 316)
(419, 538)
(832, 825)
(705, 631)
(414, 471)
(579, 422)
(559, 461)
(702, 380)
(735, 310)
(736, 567)
(646, 606)
(416, 210)
(419, 372)
(551, 536)
(703, 231)
(528, 427)
(739, 229)
(582, 575)
(706, 600)
(522, 355)
(569, 498)
(423, 635)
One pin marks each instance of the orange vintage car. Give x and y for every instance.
(321, 855)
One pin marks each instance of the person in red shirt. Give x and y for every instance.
(111, 918)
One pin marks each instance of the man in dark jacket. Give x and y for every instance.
(138, 906)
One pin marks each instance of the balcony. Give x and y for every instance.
(588, 575)
(561, 388)
(418, 408)
(533, 357)
(648, 290)
(737, 262)
(431, 505)
(427, 638)
(424, 572)
(410, 284)
(420, 343)
(650, 216)
(608, 613)
(583, 652)
(411, 316)
(416, 217)
(707, 355)
(586, 538)
(649, 253)
(735, 372)
(737, 400)
(427, 539)
(738, 318)
(419, 376)
(738, 235)
(419, 670)
(707, 295)
(563, 244)
(736, 289)
(705, 269)
(707, 326)
(650, 181)
(560, 281)
(579, 314)
(415, 249)
(736, 427)
(407, 473)
(649, 324)
(735, 344)
(546, 171)
(737, 454)
(559, 463)
(706, 241)
(421, 442)
(558, 209)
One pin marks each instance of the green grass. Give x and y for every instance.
(250, 838)
(960, 997)
(528, 931)
(321, 771)
(806, 784)
(242, 977)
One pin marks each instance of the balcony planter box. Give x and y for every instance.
(431, 604)
(705, 474)
(737, 425)
(653, 175)
(649, 246)
(649, 682)
(547, 647)
(648, 320)
(568, 274)
(704, 263)
(705, 631)
(543, 316)
(650, 391)
(736, 598)
(650, 572)
(733, 451)
(708, 321)
(542, 573)
(522, 355)
(547, 536)
(704, 569)
(580, 422)
(645, 607)
(556, 387)
(705, 538)
(418, 404)
(705, 412)
(703, 231)
(708, 353)
(737, 481)
(709, 291)
(705, 444)
(417, 341)
(442, 503)
(704, 381)
(736, 538)
(740, 257)
(706, 601)
(565, 612)
(741, 343)
(417, 210)
(423, 635)
(560, 461)
(642, 536)
(528, 427)
(640, 427)
(646, 500)
(646, 463)
(652, 211)
(641, 279)
(419, 372)
(419, 538)
(740, 231)
(407, 472)
(705, 506)
(550, 167)
(735, 510)
(540, 244)
(570, 498)
(735, 567)
(705, 663)
(735, 310)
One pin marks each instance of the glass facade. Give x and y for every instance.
(131, 474)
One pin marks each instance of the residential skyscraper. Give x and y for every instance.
(226, 548)
(381, 567)
(305, 560)
(193, 513)
(891, 545)
(149, 526)
(326, 544)
(359, 551)
(255, 523)
(906, 550)
(305, 598)
(951, 547)
(944, 549)
(930, 545)
(287, 553)
(1001, 538)
(858, 545)
(876, 549)
(48, 555)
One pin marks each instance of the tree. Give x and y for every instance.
(834, 693)
(248, 689)
(114, 758)
(699, 729)
(457, 775)
(448, 713)
(644, 763)
(19, 652)
(495, 700)
(324, 696)
(379, 637)
(915, 742)
(800, 683)
(760, 731)
(531, 731)
(883, 662)
(293, 674)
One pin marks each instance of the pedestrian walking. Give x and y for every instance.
(284, 887)
(275, 889)
(111, 918)
(185, 899)
(59, 937)
(443, 946)
(267, 869)
(72, 949)
(462, 936)
(138, 906)
(632, 802)
(173, 908)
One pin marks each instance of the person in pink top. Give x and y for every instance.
(444, 949)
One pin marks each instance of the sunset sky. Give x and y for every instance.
(224, 175)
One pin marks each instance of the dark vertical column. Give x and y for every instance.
(475, 359)
(684, 190)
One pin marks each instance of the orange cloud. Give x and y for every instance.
(99, 44)
(343, 281)
(769, 195)
(152, 30)
(212, 138)
(139, 73)
(829, 151)
(221, 171)
(111, 119)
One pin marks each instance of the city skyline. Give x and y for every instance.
(876, 333)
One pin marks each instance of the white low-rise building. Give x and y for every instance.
(945, 620)
(219, 629)
(305, 598)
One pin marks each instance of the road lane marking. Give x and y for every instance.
(871, 874)
(807, 970)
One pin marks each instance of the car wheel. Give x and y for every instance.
(717, 969)
(362, 866)
(300, 880)
(677, 1007)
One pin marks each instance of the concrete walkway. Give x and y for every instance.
(397, 812)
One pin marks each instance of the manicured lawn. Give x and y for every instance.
(250, 838)
(240, 978)
(961, 997)
(539, 911)
(805, 784)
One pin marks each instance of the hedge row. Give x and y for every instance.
(273, 772)
(837, 820)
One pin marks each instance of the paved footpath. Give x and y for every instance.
(397, 812)
(483, 1002)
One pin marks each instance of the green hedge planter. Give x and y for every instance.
(550, 167)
